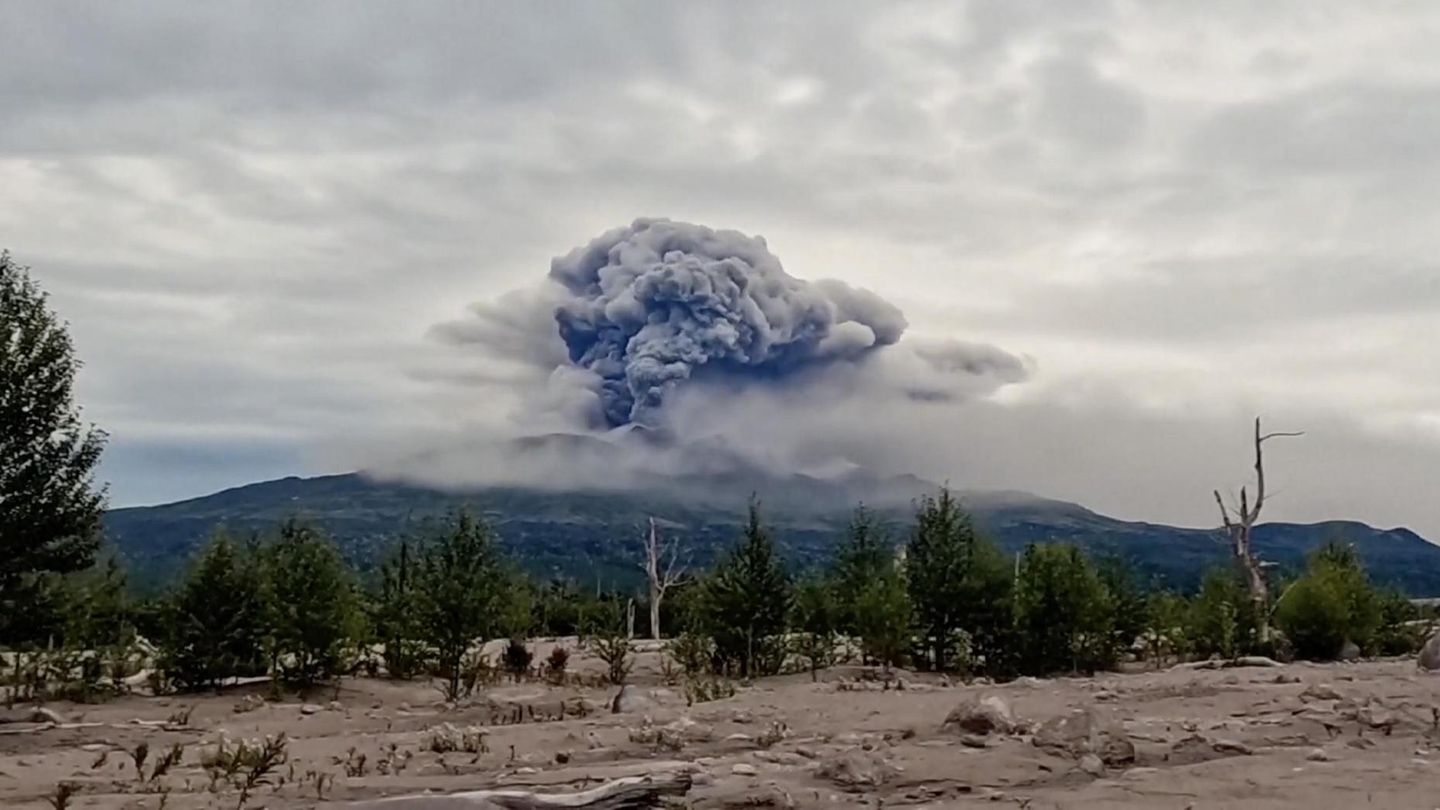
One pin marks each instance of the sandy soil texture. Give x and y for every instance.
(1300, 736)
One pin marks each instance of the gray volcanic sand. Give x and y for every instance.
(1234, 738)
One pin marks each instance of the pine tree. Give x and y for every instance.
(311, 605)
(460, 587)
(816, 620)
(747, 600)
(49, 507)
(1063, 612)
(397, 614)
(884, 619)
(215, 619)
(959, 587)
(865, 555)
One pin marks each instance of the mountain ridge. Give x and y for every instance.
(594, 533)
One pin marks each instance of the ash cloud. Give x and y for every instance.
(681, 328)
(655, 303)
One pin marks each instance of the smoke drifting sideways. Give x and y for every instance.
(700, 340)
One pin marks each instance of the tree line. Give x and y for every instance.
(943, 597)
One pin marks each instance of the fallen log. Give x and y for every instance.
(1220, 663)
(634, 791)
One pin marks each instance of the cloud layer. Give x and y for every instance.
(253, 214)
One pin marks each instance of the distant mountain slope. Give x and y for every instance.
(591, 535)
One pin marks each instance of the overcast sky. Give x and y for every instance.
(1181, 214)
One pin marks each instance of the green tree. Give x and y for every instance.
(49, 506)
(312, 606)
(865, 554)
(883, 618)
(397, 614)
(461, 585)
(1331, 604)
(1167, 627)
(959, 586)
(747, 600)
(1222, 615)
(214, 622)
(1129, 600)
(815, 619)
(1064, 614)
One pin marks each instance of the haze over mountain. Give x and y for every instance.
(592, 535)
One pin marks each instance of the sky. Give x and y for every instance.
(262, 221)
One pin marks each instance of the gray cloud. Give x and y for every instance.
(1177, 215)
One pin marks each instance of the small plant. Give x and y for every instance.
(60, 799)
(706, 689)
(692, 651)
(353, 762)
(140, 753)
(247, 766)
(517, 659)
(181, 717)
(169, 760)
(556, 664)
(447, 738)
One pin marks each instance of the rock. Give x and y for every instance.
(688, 731)
(1429, 657)
(742, 717)
(987, 715)
(1231, 680)
(1286, 677)
(742, 769)
(702, 778)
(1232, 747)
(249, 703)
(854, 769)
(1318, 755)
(973, 741)
(1321, 691)
(1091, 764)
(1349, 651)
(310, 708)
(630, 699)
(1360, 742)
(335, 706)
(1084, 731)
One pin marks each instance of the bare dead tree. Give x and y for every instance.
(662, 567)
(1239, 531)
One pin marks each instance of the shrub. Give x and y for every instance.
(517, 659)
(556, 664)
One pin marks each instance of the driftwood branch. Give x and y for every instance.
(621, 794)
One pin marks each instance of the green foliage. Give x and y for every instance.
(461, 585)
(1167, 628)
(1128, 599)
(517, 658)
(1065, 616)
(1331, 604)
(959, 586)
(49, 507)
(865, 554)
(1395, 636)
(609, 638)
(692, 650)
(747, 600)
(1222, 617)
(815, 620)
(215, 621)
(312, 607)
(397, 614)
(883, 618)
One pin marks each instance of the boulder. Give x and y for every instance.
(1429, 658)
(1349, 651)
(858, 769)
(981, 715)
(1093, 765)
(1084, 731)
(1321, 691)
(310, 708)
(631, 699)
